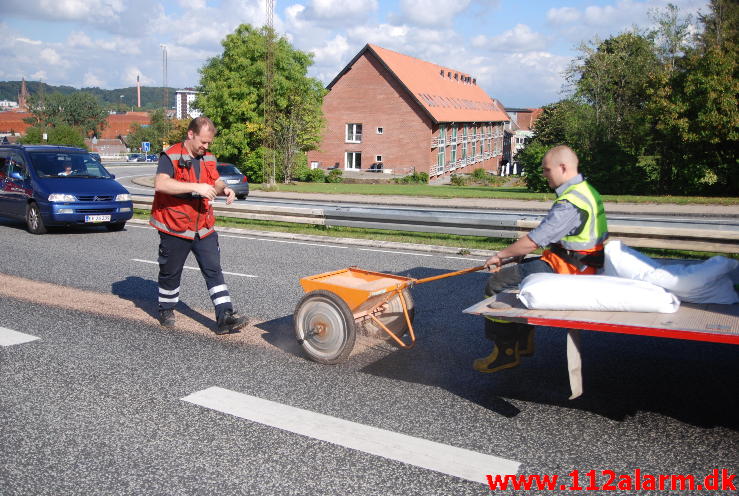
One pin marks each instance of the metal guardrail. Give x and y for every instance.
(667, 234)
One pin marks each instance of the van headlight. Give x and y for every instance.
(61, 197)
(123, 197)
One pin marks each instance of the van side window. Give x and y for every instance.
(17, 164)
(3, 167)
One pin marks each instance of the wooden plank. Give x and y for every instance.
(713, 323)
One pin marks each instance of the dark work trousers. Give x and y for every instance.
(173, 252)
(510, 276)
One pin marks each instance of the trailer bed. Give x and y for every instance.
(712, 323)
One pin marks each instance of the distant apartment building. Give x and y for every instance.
(386, 111)
(183, 104)
(518, 134)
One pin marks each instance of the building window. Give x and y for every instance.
(314, 165)
(378, 158)
(442, 149)
(379, 130)
(353, 160)
(353, 133)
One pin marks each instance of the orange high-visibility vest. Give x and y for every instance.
(184, 215)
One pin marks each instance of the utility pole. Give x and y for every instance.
(165, 96)
(269, 112)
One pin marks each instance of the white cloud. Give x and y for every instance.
(519, 39)
(26, 40)
(334, 52)
(563, 15)
(91, 80)
(330, 12)
(433, 13)
(79, 39)
(50, 56)
(39, 75)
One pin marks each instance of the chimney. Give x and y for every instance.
(138, 90)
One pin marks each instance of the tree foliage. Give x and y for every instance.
(232, 94)
(161, 132)
(79, 109)
(654, 111)
(61, 134)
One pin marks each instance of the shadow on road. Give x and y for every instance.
(693, 382)
(143, 293)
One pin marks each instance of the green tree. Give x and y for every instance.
(694, 108)
(232, 95)
(61, 134)
(79, 109)
(157, 132)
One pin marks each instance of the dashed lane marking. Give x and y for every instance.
(9, 337)
(449, 460)
(193, 268)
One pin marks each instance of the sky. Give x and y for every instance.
(516, 49)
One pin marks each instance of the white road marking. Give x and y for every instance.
(449, 460)
(9, 337)
(193, 268)
(281, 241)
(397, 252)
(467, 258)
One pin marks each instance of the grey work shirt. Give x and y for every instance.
(562, 219)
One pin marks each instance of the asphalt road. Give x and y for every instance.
(95, 405)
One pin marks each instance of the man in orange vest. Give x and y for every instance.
(185, 185)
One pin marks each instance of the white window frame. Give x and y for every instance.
(353, 161)
(351, 134)
(380, 130)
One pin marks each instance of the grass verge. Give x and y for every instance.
(464, 243)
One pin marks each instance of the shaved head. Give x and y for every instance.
(559, 165)
(563, 154)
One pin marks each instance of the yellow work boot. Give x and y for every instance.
(498, 360)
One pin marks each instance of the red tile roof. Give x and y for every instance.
(12, 121)
(122, 124)
(447, 95)
(116, 124)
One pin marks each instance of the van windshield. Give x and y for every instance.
(61, 164)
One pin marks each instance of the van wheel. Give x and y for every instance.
(34, 222)
(115, 226)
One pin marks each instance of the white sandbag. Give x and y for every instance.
(709, 281)
(600, 293)
(622, 261)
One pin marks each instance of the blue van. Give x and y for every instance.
(48, 185)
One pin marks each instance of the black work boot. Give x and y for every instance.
(230, 322)
(166, 317)
(526, 339)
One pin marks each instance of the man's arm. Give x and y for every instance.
(222, 189)
(163, 183)
(562, 218)
(523, 246)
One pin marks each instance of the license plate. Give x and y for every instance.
(232, 181)
(97, 218)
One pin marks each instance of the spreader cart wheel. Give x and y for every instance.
(324, 327)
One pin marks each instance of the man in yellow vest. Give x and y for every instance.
(573, 232)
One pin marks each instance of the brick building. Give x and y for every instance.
(392, 112)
